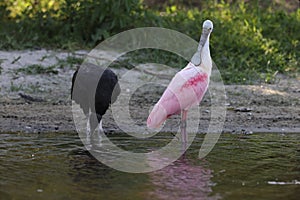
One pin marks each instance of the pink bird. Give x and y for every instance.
(187, 87)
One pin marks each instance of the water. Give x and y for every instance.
(56, 166)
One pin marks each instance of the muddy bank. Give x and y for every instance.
(40, 102)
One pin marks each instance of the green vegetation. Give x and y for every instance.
(30, 88)
(1, 60)
(15, 88)
(251, 41)
(38, 69)
(140, 56)
(33, 69)
(70, 61)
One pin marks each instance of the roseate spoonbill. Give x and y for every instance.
(94, 103)
(187, 87)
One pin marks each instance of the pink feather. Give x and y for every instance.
(186, 89)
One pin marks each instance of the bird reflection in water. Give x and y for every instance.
(182, 180)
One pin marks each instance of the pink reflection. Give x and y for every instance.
(182, 180)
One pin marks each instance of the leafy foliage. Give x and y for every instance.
(251, 41)
(66, 24)
(246, 46)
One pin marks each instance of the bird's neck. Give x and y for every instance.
(206, 59)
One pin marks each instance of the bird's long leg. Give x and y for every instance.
(100, 132)
(88, 128)
(183, 129)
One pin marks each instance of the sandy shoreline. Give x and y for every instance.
(250, 108)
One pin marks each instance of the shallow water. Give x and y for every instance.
(57, 166)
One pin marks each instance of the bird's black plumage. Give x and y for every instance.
(94, 89)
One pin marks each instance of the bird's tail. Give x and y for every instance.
(157, 117)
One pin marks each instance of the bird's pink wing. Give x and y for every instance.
(186, 89)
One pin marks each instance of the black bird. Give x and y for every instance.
(94, 89)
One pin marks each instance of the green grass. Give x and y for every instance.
(33, 88)
(15, 88)
(1, 68)
(142, 56)
(251, 42)
(38, 69)
(70, 61)
(30, 88)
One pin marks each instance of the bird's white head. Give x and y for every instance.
(207, 24)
